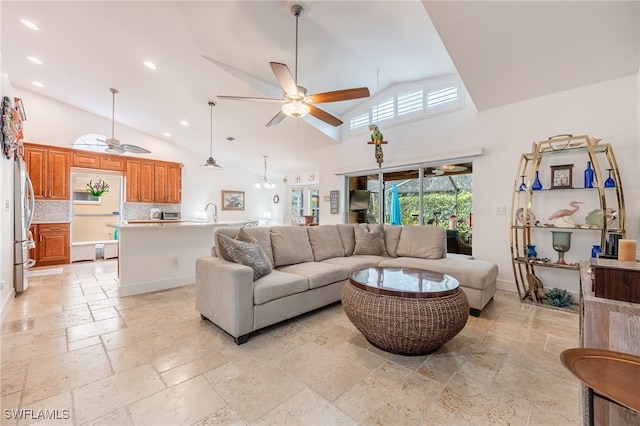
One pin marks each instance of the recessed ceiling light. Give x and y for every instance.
(150, 65)
(34, 60)
(29, 24)
(37, 83)
(231, 139)
(167, 134)
(184, 123)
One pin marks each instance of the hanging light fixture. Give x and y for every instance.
(211, 163)
(264, 183)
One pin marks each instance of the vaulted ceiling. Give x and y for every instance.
(504, 51)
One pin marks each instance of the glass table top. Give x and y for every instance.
(404, 282)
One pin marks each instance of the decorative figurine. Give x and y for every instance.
(564, 214)
(376, 139)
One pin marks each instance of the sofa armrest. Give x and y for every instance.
(224, 294)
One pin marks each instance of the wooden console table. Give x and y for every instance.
(610, 325)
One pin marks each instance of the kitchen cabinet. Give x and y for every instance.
(139, 180)
(174, 183)
(52, 243)
(49, 169)
(92, 160)
(167, 183)
(538, 223)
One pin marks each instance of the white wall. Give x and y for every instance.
(608, 110)
(6, 215)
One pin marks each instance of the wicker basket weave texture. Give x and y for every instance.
(411, 326)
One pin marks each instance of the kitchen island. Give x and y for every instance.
(157, 255)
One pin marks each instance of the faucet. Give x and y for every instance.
(215, 211)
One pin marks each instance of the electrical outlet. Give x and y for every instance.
(176, 261)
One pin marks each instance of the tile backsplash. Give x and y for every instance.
(60, 211)
(52, 211)
(141, 211)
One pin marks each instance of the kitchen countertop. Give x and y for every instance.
(151, 224)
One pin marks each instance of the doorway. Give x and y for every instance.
(91, 214)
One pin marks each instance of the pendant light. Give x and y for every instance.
(211, 163)
(264, 183)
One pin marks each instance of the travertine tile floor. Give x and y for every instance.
(71, 346)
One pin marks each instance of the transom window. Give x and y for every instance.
(411, 102)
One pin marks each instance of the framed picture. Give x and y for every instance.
(561, 176)
(232, 200)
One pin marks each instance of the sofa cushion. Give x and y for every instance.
(325, 242)
(318, 274)
(369, 240)
(248, 254)
(354, 263)
(426, 242)
(277, 285)
(261, 234)
(290, 245)
(348, 238)
(477, 274)
(392, 238)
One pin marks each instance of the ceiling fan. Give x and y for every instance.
(297, 102)
(113, 145)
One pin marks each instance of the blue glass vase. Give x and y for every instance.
(523, 185)
(588, 176)
(531, 251)
(537, 185)
(595, 250)
(609, 183)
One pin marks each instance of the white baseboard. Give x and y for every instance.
(150, 286)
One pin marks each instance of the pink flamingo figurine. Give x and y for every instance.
(565, 213)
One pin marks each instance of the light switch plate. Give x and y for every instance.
(7, 205)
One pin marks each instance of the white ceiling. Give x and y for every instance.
(504, 52)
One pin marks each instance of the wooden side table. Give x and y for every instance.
(613, 376)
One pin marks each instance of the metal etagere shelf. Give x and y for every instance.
(525, 229)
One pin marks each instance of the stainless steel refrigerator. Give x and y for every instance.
(24, 204)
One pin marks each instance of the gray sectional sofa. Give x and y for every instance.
(309, 266)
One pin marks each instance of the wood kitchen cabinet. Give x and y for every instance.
(98, 161)
(49, 170)
(139, 186)
(174, 183)
(52, 244)
(168, 183)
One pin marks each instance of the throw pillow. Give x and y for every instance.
(242, 235)
(248, 254)
(370, 241)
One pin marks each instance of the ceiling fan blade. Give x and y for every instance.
(134, 148)
(324, 116)
(249, 98)
(284, 77)
(276, 119)
(340, 95)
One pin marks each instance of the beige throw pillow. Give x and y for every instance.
(370, 241)
(251, 255)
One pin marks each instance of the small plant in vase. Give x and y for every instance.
(97, 187)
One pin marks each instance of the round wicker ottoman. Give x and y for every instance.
(405, 311)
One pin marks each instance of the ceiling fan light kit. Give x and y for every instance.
(113, 145)
(211, 163)
(296, 100)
